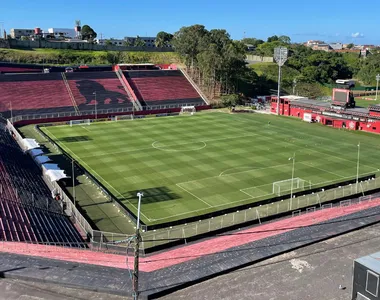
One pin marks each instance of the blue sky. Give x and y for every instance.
(328, 20)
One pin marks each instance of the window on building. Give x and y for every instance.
(372, 284)
(373, 128)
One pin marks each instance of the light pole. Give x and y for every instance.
(294, 86)
(136, 261)
(96, 101)
(291, 186)
(73, 175)
(377, 84)
(357, 168)
(280, 56)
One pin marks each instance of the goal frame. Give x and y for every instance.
(188, 109)
(80, 122)
(280, 186)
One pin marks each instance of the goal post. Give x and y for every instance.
(80, 122)
(187, 110)
(123, 117)
(285, 186)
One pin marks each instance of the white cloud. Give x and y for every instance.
(357, 35)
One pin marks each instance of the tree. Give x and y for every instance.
(163, 39)
(139, 42)
(24, 38)
(231, 100)
(108, 42)
(189, 41)
(252, 41)
(284, 39)
(350, 46)
(88, 33)
(127, 43)
(272, 38)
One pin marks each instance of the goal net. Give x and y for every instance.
(285, 186)
(123, 117)
(187, 110)
(80, 122)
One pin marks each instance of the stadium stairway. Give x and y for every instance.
(163, 87)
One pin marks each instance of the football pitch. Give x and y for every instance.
(193, 165)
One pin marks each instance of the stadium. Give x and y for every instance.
(89, 154)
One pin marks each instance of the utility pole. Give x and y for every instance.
(137, 249)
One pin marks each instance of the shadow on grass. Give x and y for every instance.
(75, 139)
(151, 195)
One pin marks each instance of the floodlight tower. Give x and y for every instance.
(377, 84)
(280, 56)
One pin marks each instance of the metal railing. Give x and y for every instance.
(70, 94)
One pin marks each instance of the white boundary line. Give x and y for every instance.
(152, 147)
(93, 171)
(181, 187)
(323, 170)
(246, 199)
(175, 150)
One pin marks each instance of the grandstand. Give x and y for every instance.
(86, 91)
(110, 93)
(27, 94)
(160, 87)
(27, 210)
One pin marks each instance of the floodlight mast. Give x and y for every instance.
(280, 56)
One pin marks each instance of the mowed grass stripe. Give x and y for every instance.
(181, 178)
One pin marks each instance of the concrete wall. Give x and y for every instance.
(79, 46)
(4, 43)
(257, 58)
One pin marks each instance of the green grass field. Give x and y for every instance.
(192, 165)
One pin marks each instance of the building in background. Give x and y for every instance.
(336, 46)
(61, 33)
(149, 41)
(114, 42)
(17, 33)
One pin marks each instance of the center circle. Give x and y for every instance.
(180, 147)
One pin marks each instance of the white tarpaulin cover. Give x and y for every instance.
(42, 159)
(54, 172)
(56, 175)
(30, 144)
(36, 152)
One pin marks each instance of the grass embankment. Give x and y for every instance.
(73, 57)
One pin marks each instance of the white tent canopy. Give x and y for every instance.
(30, 144)
(36, 152)
(42, 159)
(53, 172)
